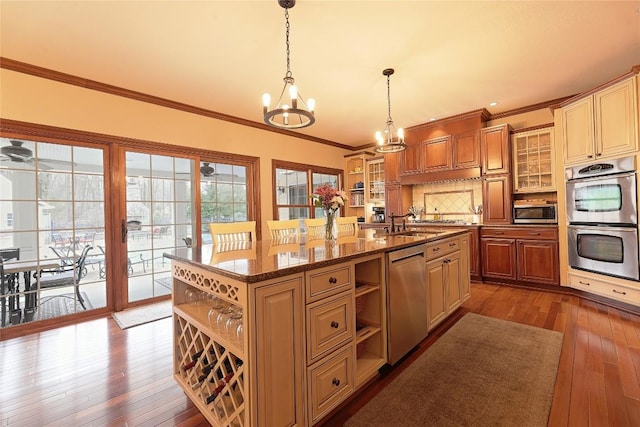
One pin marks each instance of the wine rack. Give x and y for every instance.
(209, 361)
(212, 372)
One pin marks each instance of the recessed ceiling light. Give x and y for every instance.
(493, 104)
(432, 119)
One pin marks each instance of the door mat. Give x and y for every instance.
(141, 315)
(481, 372)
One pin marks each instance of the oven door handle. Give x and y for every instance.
(602, 177)
(602, 229)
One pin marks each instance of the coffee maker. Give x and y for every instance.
(378, 214)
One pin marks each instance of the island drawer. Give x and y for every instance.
(329, 382)
(328, 281)
(330, 324)
(442, 247)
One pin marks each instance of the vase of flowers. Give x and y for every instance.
(330, 200)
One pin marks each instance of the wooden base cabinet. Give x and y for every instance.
(254, 377)
(527, 254)
(448, 277)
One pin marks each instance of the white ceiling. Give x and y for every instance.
(450, 57)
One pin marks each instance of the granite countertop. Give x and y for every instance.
(256, 261)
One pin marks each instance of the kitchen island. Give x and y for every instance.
(307, 325)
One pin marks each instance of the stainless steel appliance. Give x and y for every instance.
(407, 301)
(603, 218)
(607, 250)
(378, 214)
(535, 213)
(603, 193)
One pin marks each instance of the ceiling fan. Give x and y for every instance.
(19, 154)
(207, 170)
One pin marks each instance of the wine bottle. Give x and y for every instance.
(194, 360)
(217, 390)
(203, 377)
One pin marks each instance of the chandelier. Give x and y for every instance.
(391, 140)
(291, 111)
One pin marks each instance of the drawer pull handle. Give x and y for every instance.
(535, 234)
(584, 283)
(333, 280)
(336, 382)
(335, 324)
(618, 292)
(499, 232)
(451, 245)
(436, 249)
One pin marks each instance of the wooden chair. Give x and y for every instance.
(288, 228)
(315, 228)
(347, 225)
(232, 231)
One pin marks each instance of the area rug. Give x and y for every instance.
(60, 305)
(481, 372)
(141, 315)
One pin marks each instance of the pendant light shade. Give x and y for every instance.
(291, 111)
(390, 140)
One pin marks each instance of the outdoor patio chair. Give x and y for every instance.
(70, 275)
(7, 281)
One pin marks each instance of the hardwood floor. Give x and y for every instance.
(95, 374)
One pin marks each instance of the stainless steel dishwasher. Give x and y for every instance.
(407, 300)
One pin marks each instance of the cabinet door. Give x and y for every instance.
(498, 258)
(436, 154)
(578, 137)
(436, 306)
(616, 112)
(465, 272)
(496, 150)
(496, 194)
(410, 160)
(453, 281)
(466, 150)
(474, 252)
(393, 200)
(538, 261)
(392, 168)
(279, 354)
(533, 161)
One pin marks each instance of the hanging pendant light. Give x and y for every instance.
(291, 111)
(391, 140)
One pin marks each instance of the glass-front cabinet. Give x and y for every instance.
(534, 161)
(375, 179)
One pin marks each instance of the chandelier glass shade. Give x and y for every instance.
(291, 111)
(391, 140)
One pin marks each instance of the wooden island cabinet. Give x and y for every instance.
(308, 326)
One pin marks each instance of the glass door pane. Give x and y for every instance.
(52, 212)
(159, 205)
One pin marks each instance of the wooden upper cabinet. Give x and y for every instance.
(466, 150)
(392, 168)
(601, 125)
(411, 159)
(436, 154)
(496, 195)
(496, 150)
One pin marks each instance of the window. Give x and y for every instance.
(293, 185)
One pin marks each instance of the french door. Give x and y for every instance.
(159, 206)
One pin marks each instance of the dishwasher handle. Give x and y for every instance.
(402, 258)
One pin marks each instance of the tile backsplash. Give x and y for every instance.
(452, 200)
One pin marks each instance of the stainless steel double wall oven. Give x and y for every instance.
(602, 213)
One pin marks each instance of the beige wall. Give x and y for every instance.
(36, 100)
